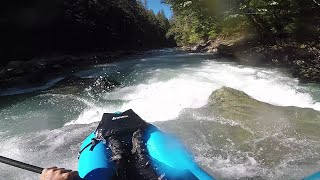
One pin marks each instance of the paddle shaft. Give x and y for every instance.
(21, 165)
(25, 166)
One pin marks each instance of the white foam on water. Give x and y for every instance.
(228, 168)
(91, 115)
(166, 91)
(250, 168)
(162, 101)
(46, 148)
(157, 101)
(9, 148)
(266, 85)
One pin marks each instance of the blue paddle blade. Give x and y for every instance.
(169, 151)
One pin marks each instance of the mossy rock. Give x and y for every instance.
(264, 117)
(235, 125)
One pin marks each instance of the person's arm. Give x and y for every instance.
(55, 173)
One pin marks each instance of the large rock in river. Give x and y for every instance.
(235, 128)
(73, 84)
(264, 117)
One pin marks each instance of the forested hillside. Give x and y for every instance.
(280, 32)
(197, 20)
(40, 27)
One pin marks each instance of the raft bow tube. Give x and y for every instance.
(315, 176)
(95, 164)
(167, 153)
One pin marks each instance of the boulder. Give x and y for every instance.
(212, 50)
(3, 73)
(41, 64)
(31, 79)
(75, 84)
(304, 53)
(196, 48)
(299, 63)
(224, 49)
(14, 64)
(263, 117)
(233, 122)
(202, 47)
(185, 48)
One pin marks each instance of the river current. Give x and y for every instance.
(46, 129)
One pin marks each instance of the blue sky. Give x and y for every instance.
(156, 6)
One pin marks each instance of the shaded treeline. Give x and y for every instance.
(197, 20)
(40, 27)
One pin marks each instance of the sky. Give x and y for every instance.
(156, 6)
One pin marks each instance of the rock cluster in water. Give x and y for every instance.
(74, 84)
(37, 71)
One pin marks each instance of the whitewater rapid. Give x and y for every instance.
(163, 91)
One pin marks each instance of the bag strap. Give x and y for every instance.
(93, 142)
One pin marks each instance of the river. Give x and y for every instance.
(46, 129)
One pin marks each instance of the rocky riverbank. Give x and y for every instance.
(37, 71)
(303, 59)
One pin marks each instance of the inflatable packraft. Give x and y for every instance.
(315, 176)
(165, 151)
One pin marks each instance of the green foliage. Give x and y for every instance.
(235, 26)
(206, 19)
(193, 38)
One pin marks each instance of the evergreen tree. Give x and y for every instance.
(163, 20)
(145, 4)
